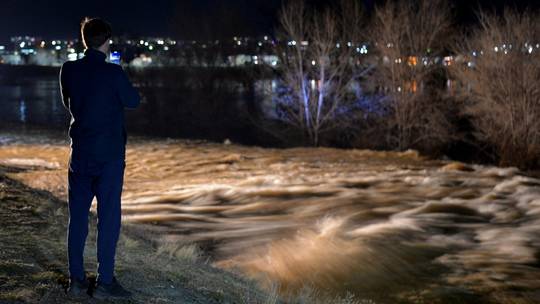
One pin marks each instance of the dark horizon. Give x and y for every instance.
(179, 19)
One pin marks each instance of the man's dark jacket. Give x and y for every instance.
(96, 92)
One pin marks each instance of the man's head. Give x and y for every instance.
(96, 34)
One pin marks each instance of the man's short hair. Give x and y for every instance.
(95, 32)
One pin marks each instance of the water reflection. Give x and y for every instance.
(32, 101)
(176, 103)
(22, 110)
(189, 105)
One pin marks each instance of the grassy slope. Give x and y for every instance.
(33, 259)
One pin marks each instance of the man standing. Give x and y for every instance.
(95, 93)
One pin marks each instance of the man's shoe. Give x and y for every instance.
(77, 288)
(111, 291)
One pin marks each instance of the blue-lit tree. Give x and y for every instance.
(317, 66)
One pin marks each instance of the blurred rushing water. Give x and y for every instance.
(387, 227)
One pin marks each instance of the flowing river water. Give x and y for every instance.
(388, 227)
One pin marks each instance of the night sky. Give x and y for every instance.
(176, 18)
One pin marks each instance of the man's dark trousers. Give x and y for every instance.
(103, 180)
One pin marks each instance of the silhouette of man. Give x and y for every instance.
(95, 93)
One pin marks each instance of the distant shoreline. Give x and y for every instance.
(39, 70)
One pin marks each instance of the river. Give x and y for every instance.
(197, 104)
(385, 227)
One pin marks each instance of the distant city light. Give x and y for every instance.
(447, 61)
(412, 60)
(52, 51)
(362, 50)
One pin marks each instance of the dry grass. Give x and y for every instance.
(182, 252)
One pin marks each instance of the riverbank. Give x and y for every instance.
(33, 258)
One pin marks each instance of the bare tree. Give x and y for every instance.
(316, 66)
(409, 39)
(500, 85)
